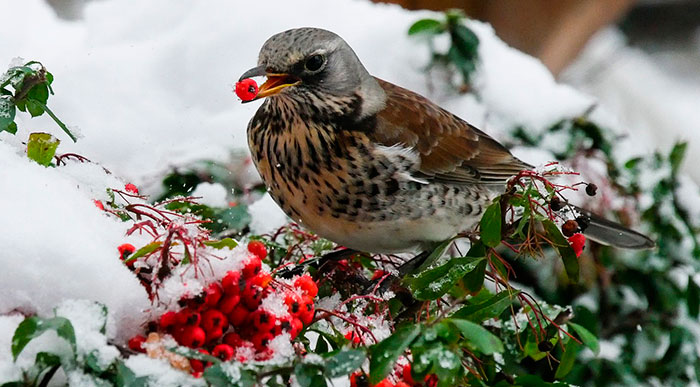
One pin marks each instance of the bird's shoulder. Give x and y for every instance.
(450, 149)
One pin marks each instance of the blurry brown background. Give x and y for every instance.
(556, 30)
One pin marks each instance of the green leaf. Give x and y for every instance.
(676, 156)
(438, 251)
(474, 280)
(217, 375)
(466, 41)
(226, 242)
(344, 362)
(566, 363)
(426, 26)
(309, 375)
(479, 337)
(34, 107)
(491, 225)
(39, 92)
(33, 327)
(588, 338)
(693, 298)
(385, 353)
(127, 378)
(232, 218)
(12, 128)
(490, 308)
(7, 112)
(42, 147)
(42, 362)
(567, 254)
(145, 250)
(432, 284)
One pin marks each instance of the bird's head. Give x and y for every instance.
(312, 60)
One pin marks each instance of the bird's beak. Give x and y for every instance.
(273, 85)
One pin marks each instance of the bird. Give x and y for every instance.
(368, 164)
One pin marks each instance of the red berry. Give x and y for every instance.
(193, 336)
(577, 242)
(293, 302)
(136, 343)
(188, 317)
(354, 338)
(307, 285)
(197, 366)
(384, 383)
(213, 319)
(253, 267)
(228, 302)
(232, 282)
(262, 279)
(402, 384)
(263, 320)
(431, 380)
(307, 310)
(407, 374)
(130, 188)
(99, 204)
(378, 274)
(297, 327)
(238, 315)
(358, 379)
(246, 89)
(223, 351)
(258, 249)
(252, 296)
(261, 340)
(232, 339)
(167, 320)
(125, 250)
(212, 294)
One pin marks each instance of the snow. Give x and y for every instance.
(159, 372)
(88, 319)
(211, 194)
(58, 245)
(266, 216)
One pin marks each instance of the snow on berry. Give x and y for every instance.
(246, 89)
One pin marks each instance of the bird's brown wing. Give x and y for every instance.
(451, 150)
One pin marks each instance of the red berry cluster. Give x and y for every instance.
(227, 321)
(402, 376)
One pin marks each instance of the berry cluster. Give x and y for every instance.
(228, 320)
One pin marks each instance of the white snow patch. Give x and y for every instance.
(211, 194)
(266, 215)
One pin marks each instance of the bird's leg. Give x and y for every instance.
(332, 256)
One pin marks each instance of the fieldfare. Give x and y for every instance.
(368, 164)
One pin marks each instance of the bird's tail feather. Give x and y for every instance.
(610, 233)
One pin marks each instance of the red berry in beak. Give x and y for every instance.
(246, 89)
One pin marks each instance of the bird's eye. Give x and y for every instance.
(314, 62)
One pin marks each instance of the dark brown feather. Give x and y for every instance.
(451, 150)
